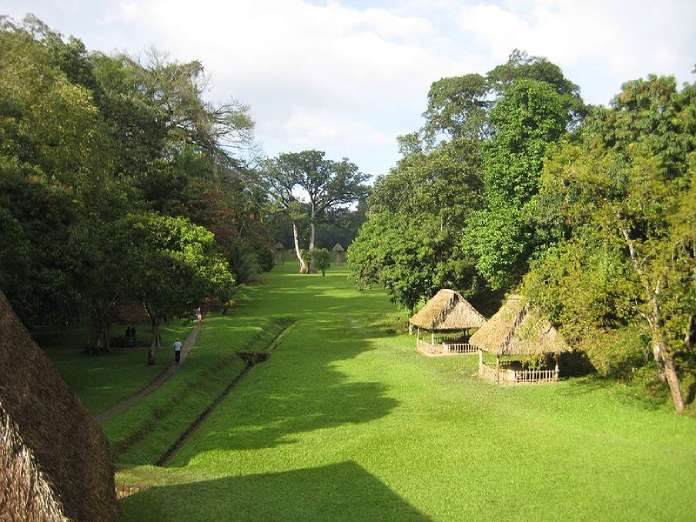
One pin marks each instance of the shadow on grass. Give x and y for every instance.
(343, 491)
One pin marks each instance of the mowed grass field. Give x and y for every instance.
(346, 422)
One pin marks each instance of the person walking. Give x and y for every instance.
(177, 351)
(199, 315)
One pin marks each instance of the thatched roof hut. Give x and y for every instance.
(279, 246)
(518, 329)
(447, 310)
(55, 462)
(339, 252)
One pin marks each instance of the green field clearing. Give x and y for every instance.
(346, 422)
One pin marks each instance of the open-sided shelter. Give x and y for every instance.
(516, 334)
(339, 252)
(55, 462)
(449, 318)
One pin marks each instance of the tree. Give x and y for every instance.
(306, 184)
(321, 258)
(410, 241)
(630, 182)
(174, 265)
(528, 117)
(458, 106)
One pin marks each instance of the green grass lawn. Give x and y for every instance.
(346, 422)
(104, 380)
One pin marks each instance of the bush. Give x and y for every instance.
(244, 263)
(321, 258)
(265, 258)
(619, 352)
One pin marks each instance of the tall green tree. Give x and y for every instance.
(174, 265)
(410, 242)
(629, 184)
(306, 183)
(528, 117)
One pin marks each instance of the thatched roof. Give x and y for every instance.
(279, 246)
(447, 310)
(518, 329)
(338, 248)
(55, 462)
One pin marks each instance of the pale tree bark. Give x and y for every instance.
(664, 357)
(298, 251)
(661, 353)
(312, 235)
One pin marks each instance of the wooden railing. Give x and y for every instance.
(516, 376)
(534, 375)
(445, 347)
(459, 348)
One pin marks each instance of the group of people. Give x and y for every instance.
(130, 337)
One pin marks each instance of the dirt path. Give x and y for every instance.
(156, 383)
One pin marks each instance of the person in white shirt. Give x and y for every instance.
(177, 351)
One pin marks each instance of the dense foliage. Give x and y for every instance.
(510, 171)
(119, 182)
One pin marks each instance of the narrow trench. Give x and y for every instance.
(252, 359)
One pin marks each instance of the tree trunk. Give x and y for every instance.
(673, 381)
(156, 342)
(100, 332)
(312, 238)
(298, 252)
(107, 334)
(663, 356)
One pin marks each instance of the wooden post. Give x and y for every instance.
(497, 369)
(480, 362)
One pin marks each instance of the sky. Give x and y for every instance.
(348, 77)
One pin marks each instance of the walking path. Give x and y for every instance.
(170, 370)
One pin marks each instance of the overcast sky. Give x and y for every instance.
(348, 77)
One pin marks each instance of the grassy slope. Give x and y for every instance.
(347, 422)
(105, 380)
(142, 433)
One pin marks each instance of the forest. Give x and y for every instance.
(514, 183)
(120, 182)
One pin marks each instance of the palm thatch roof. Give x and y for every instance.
(55, 462)
(447, 310)
(338, 248)
(518, 329)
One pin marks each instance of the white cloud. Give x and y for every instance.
(611, 39)
(348, 80)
